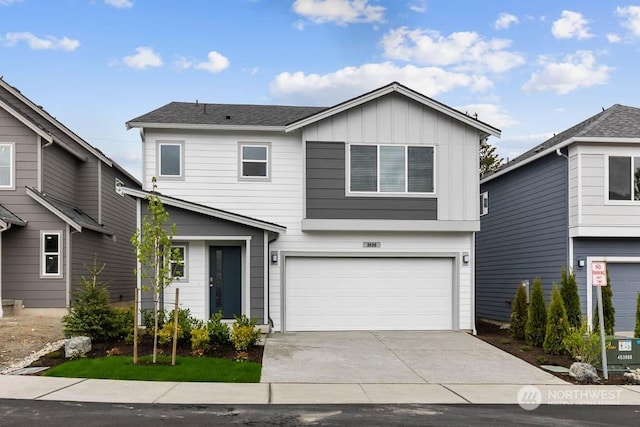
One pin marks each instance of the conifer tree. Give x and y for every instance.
(557, 324)
(518, 314)
(569, 292)
(537, 315)
(489, 158)
(607, 309)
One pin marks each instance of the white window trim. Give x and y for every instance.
(159, 145)
(266, 145)
(118, 187)
(185, 261)
(378, 193)
(43, 263)
(606, 180)
(484, 207)
(12, 166)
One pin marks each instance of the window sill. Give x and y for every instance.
(398, 195)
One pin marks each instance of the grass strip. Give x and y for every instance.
(187, 369)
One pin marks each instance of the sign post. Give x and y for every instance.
(599, 279)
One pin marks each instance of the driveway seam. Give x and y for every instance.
(365, 393)
(456, 393)
(165, 393)
(399, 358)
(61, 388)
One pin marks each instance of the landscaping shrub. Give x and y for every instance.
(147, 319)
(244, 333)
(582, 345)
(185, 323)
(91, 313)
(636, 333)
(519, 314)
(199, 340)
(218, 331)
(125, 318)
(165, 336)
(607, 308)
(537, 315)
(569, 291)
(557, 324)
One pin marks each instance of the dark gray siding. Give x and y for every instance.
(87, 186)
(59, 174)
(325, 187)
(609, 247)
(194, 224)
(21, 245)
(523, 236)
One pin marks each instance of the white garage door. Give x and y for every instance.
(331, 294)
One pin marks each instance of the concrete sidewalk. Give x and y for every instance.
(111, 391)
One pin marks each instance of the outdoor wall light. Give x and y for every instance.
(581, 263)
(465, 259)
(274, 257)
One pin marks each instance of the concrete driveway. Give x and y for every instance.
(392, 357)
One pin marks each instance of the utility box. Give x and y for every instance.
(623, 354)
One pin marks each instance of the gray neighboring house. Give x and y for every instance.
(60, 205)
(570, 201)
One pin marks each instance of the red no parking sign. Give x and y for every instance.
(599, 273)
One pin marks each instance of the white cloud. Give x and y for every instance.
(299, 25)
(571, 25)
(120, 4)
(490, 113)
(301, 88)
(512, 146)
(144, 57)
(464, 50)
(37, 43)
(215, 63)
(613, 38)
(419, 6)
(8, 2)
(631, 15)
(341, 12)
(573, 72)
(505, 20)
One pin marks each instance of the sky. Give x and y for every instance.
(529, 68)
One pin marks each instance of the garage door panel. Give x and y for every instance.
(625, 285)
(368, 293)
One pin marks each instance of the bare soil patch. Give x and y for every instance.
(494, 335)
(27, 333)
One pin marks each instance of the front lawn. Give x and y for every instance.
(187, 369)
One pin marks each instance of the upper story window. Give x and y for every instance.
(484, 203)
(391, 169)
(254, 161)
(170, 159)
(51, 254)
(624, 178)
(6, 166)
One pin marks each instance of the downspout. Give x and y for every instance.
(569, 239)
(3, 228)
(268, 249)
(472, 259)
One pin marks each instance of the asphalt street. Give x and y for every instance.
(53, 413)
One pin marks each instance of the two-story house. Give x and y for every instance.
(59, 207)
(570, 201)
(357, 216)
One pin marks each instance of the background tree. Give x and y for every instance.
(607, 309)
(570, 297)
(154, 252)
(537, 315)
(489, 158)
(557, 324)
(518, 314)
(636, 333)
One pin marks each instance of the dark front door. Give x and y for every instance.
(225, 280)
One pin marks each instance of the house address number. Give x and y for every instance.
(371, 244)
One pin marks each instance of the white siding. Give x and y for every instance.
(593, 208)
(573, 189)
(394, 119)
(193, 289)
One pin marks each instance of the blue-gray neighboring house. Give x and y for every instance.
(570, 201)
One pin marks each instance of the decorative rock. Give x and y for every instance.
(77, 346)
(633, 377)
(584, 373)
(48, 348)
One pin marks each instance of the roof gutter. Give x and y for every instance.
(194, 126)
(552, 149)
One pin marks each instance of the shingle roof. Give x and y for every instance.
(617, 121)
(226, 114)
(9, 217)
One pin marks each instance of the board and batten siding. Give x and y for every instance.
(196, 283)
(59, 174)
(394, 119)
(524, 235)
(325, 191)
(593, 209)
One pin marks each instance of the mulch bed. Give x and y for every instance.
(494, 335)
(145, 348)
